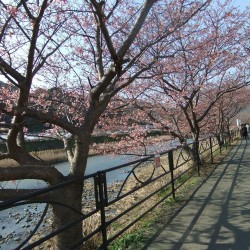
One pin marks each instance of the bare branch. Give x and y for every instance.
(46, 173)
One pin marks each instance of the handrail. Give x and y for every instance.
(163, 181)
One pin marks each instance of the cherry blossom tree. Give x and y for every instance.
(210, 60)
(88, 52)
(220, 117)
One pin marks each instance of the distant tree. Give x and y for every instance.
(220, 117)
(209, 62)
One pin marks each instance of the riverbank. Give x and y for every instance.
(19, 222)
(54, 156)
(22, 224)
(48, 156)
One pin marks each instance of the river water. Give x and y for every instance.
(94, 164)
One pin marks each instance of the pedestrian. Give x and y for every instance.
(248, 129)
(243, 131)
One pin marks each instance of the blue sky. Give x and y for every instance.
(241, 3)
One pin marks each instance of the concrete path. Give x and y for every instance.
(218, 216)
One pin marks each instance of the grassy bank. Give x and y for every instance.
(52, 156)
(48, 156)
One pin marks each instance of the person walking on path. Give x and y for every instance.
(248, 129)
(243, 131)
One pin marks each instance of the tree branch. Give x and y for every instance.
(46, 173)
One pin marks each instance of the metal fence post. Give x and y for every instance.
(101, 182)
(211, 149)
(171, 168)
(197, 156)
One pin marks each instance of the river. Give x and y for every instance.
(16, 223)
(94, 164)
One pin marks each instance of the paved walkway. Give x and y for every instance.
(218, 216)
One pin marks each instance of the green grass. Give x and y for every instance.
(126, 241)
(147, 227)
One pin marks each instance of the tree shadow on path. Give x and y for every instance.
(229, 226)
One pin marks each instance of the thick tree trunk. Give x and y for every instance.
(72, 197)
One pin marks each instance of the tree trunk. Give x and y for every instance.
(70, 196)
(20, 139)
(220, 139)
(195, 150)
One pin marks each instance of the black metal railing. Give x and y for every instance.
(111, 208)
